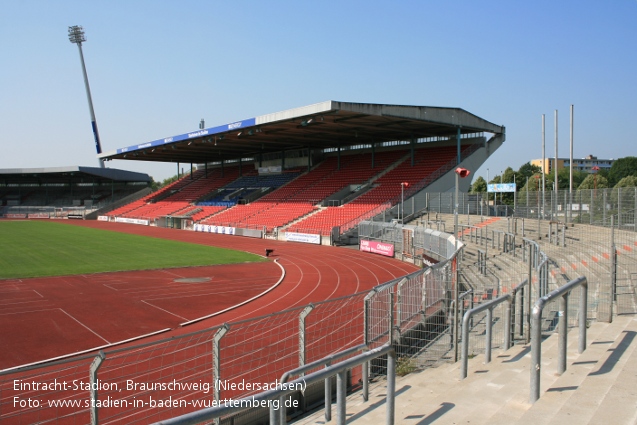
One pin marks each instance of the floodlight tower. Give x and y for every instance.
(76, 36)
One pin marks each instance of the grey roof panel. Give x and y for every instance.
(328, 124)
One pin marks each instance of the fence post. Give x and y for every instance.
(619, 207)
(604, 207)
(528, 301)
(399, 302)
(487, 351)
(390, 318)
(536, 351)
(364, 366)
(95, 365)
(216, 366)
(562, 342)
(391, 387)
(613, 259)
(304, 313)
(566, 205)
(366, 315)
(341, 392)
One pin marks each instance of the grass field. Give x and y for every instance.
(48, 248)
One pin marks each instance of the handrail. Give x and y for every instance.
(520, 286)
(536, 330)
(325, 361)
(465, 329)
(543, 275)
(270, 397)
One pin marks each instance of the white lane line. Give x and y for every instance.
(82, 324)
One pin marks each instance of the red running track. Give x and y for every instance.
(313, 274)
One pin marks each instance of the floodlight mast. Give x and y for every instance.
(76, 36)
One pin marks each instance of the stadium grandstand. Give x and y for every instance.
(315, 170)
(65, 192)
(418, 297)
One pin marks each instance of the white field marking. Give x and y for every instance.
(194, 293)
(28, 311)
(23, 293)
(166, 311)
(77, 353)
(190, 322)
(82, 324)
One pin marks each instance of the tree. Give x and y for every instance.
(153, 184)
(628, 181)
(564, 176)
(623, 194)
(534, 183)
(479, 185)
(527, 170)
(169, 180)
(509, 175)
(589, 182)
(621, 168)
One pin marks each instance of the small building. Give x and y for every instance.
(585, 164)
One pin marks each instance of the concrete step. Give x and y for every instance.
(598, 384)
(595, 385)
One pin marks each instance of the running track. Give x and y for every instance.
(313, 273)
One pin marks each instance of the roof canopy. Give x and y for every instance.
(323, 125)
(69, 174)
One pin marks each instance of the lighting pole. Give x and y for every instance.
(460, 173)
(488, 190)
(402, 201)
(76, 36)
(515, 194)
(543, 165)
(501, 199)
(570, 174)
(555, 186)
(590, 208)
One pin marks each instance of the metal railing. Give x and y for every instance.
(521, 288)
(325, 361)
(536, 330)
(271, 398)
(488, 306)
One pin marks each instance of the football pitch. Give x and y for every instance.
(49, 248)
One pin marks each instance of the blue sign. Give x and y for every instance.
(504, 187)
(205, 132)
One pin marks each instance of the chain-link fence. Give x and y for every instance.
(166, 378)
(588, 233)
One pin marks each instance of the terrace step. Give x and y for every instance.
(597, 387)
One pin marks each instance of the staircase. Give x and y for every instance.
(598, 387)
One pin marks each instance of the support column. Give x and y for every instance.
(95, 365)
(373, 155)
(413, 152)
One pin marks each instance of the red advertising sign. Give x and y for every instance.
(381, 248)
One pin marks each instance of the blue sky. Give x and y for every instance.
(157, 67)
